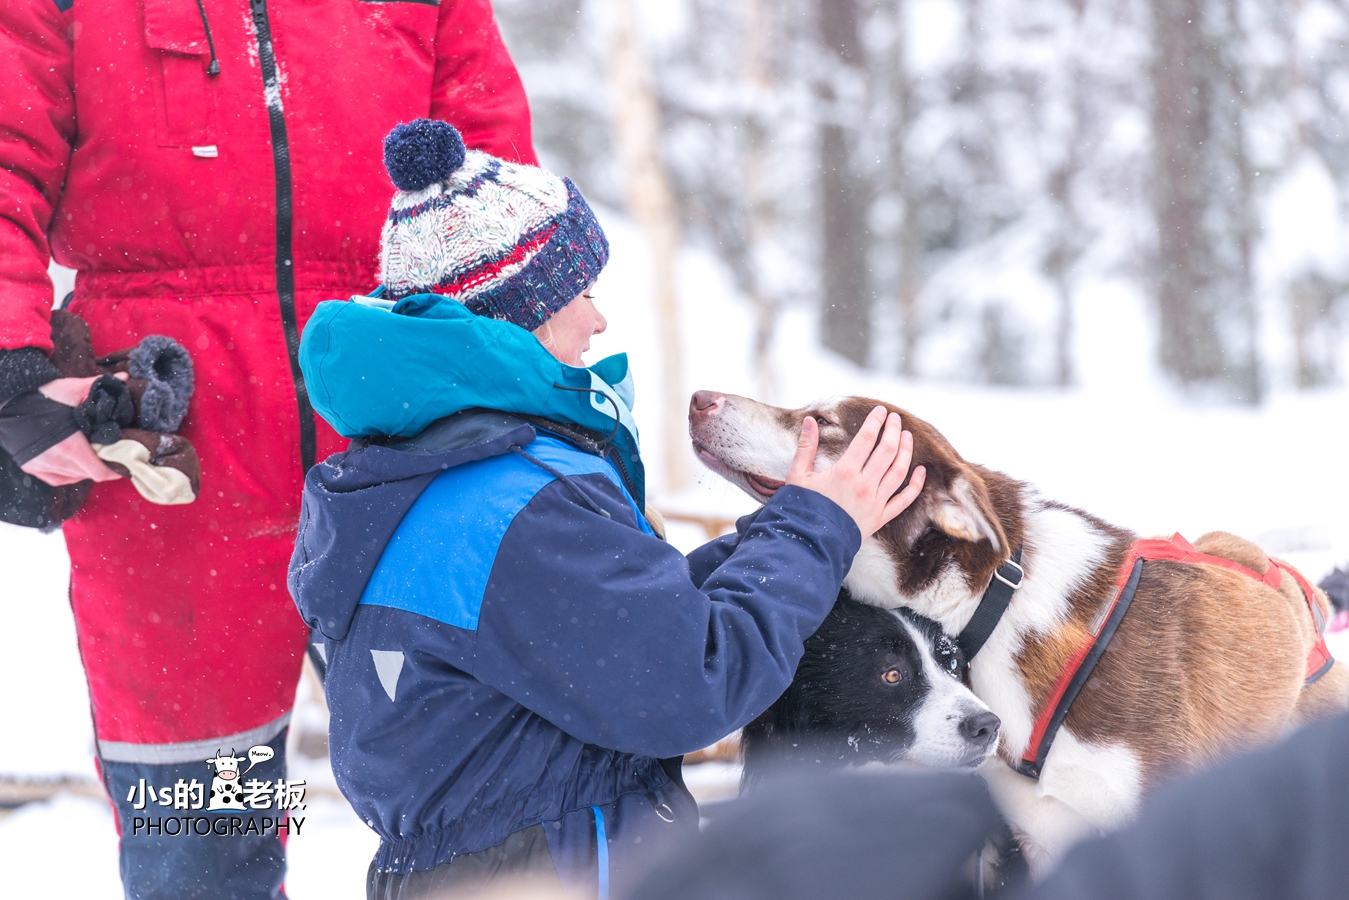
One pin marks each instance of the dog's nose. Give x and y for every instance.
(706, 403)
(981, 729)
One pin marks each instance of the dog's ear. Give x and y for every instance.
(965, 512)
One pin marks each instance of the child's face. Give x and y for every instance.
(567, 334)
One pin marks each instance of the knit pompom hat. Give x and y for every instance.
(509, 241)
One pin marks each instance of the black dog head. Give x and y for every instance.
(874, 685)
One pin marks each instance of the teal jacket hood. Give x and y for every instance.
(375, 367)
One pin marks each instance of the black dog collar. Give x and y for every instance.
(1006, 579)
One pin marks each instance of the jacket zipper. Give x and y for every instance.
(614, 455)
(285, 268)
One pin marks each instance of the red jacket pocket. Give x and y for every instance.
(187, 107)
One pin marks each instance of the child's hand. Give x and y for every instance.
(863, 480)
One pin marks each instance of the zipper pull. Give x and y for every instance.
(214, 68)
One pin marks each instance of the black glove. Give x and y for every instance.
(31, 423)
(106, 411)
(31, 502)
(27, 425)
(25, 500)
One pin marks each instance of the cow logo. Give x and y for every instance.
(230, 792)
(227, 788)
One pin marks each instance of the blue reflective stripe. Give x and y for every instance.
(601, 851)
(438, 561)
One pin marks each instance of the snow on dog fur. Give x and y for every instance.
(874, 685)
(1206, 662)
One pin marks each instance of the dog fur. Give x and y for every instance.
(1206, 662)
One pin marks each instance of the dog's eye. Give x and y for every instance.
(949, 655)
(821, 420)
(892, 676)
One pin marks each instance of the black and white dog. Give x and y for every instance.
(874, 685)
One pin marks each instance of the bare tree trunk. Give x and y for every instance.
(1190, 348)
(1202, 201)
(1316, 330)
(1245, 227)
(1312, 297)
(910, 239)
(846, 321)
(636, 124)
(1056, 265)
(758, 81)
(1067, 241)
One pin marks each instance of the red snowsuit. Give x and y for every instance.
(217, 209)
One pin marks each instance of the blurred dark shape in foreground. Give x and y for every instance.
(1265, 826)
(861, 834)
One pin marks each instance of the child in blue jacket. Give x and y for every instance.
(515, 661)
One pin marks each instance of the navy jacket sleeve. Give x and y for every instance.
(709, 557)
(600, 629)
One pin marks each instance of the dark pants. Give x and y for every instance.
(170, 853)
(522, 855)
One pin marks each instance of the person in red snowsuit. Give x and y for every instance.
(212, 170)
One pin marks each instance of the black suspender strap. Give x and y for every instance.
(1006, 579)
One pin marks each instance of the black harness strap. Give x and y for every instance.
(1006, 579)
(1039, 750)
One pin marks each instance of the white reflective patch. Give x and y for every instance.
(388, 666)
(322, 650)
(208, 151)
(188, 751)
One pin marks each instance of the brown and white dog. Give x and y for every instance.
(1206, 661)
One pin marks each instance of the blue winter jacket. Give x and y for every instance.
(509, 644)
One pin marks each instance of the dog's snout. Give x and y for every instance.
(981, 729)
(706, 403)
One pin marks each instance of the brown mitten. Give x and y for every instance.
(73, 347)
(162, 467)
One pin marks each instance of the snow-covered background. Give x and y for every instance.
(963, 184)
(1122, 445)
(1118, 437)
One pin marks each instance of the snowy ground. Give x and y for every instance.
(1121, 445)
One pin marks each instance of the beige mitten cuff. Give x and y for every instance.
(162, 467)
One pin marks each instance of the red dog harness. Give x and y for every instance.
(1080, 667)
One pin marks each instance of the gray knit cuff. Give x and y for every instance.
(24, 370)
